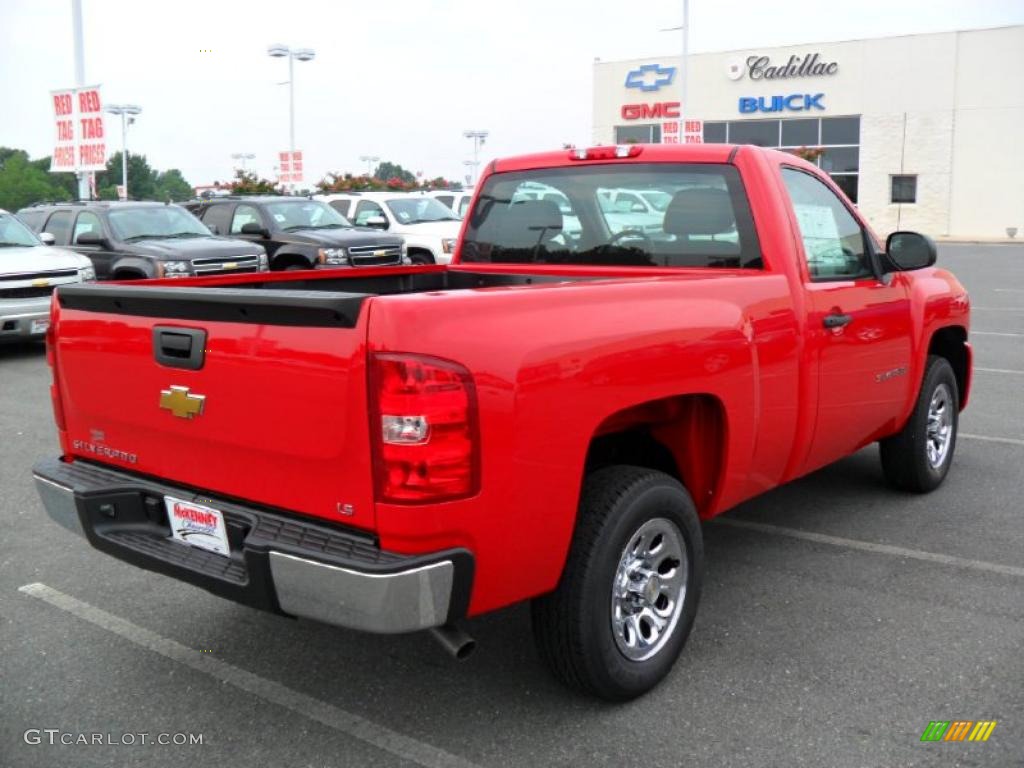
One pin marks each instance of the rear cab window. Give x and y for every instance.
(642, 215)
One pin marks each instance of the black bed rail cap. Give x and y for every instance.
(231, 305)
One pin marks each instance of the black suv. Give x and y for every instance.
(134, 240)
(299, 233)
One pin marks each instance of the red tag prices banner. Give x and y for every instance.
(80, 136)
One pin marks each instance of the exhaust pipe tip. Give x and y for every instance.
(454, 640)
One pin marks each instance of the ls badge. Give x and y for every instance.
(181, 403)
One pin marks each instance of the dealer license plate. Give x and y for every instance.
(197, 525)
(40, 326)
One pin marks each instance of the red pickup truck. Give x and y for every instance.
(549, 417)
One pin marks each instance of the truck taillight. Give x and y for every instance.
(51, 359)
(426, 444)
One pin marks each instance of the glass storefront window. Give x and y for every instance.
(763, 133)
(840, 160)
(638, 134)
(848, 183)
(840, 130)
(714, 133)
(800, 133)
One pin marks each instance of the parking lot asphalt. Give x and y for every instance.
(838, 619)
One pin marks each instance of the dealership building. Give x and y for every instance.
(923, 132)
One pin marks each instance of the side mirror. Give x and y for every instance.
(377, 222)
(253, 228)
(91, 238)
(47, 238)
(906, 251)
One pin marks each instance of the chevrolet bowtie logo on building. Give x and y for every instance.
(179, 402)
(650, 77)
(958, 730)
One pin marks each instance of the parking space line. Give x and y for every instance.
(999, 309)
(994, 333)
(867, 546)
(986, 438)
(998, 370)
(397, 744)
(1008, 290)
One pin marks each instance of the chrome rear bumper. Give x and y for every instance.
(279, 563)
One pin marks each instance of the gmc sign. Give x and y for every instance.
(659, 111)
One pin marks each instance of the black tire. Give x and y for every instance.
(905, 456)
(573, 626)
(421, 257)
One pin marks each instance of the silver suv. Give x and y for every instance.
(29, 271)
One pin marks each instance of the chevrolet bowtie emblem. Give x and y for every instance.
(380, 253)
(179, 402)
(41, 283)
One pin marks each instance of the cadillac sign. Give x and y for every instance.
(762, 68)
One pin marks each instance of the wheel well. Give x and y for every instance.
(286, 260)
(416, 251)
(949, 343)
(129, 274)
(683, 436)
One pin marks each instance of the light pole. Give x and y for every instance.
(478, 137)
(369, 160)
(124, 110)
(241, 157)
(685, 70)
(302, 54)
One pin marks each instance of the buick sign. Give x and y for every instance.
(794, 102)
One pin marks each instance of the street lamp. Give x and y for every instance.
(478, 137)
(685, 29)
(369, 160)
(124, 110)
(242, 157)
(278, 51)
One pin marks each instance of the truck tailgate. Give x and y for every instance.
(276, 413)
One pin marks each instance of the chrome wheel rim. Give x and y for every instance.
(939, 429)
(649, 589)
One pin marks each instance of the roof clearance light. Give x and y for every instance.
(606, 153)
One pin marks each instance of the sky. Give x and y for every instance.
(394, 78)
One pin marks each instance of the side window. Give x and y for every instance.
(341, 206)
(87, 223)
(833, 240)
(32, 219)
(464, 205)
(216, 218)
(244, 214)
(365, 210)
(446, 199)
(59, 225)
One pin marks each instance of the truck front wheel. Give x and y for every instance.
(918, 457)
(628, 596)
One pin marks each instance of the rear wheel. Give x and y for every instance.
(628, 596)
(918, 457)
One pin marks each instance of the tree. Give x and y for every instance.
(387, 171)
(141, 178)
(23, 183)
(171, 185)
(246, 183)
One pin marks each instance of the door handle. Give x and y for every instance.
(179, 347)
(836, 320)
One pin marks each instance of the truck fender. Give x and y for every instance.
(135, 264)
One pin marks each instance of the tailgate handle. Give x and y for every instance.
(179, 347)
